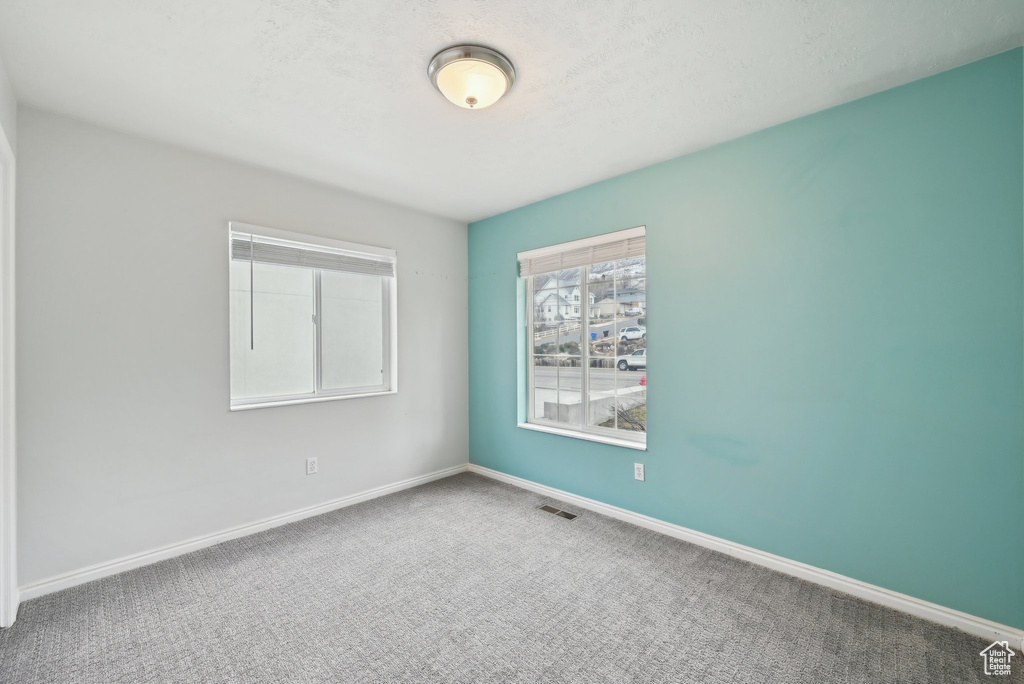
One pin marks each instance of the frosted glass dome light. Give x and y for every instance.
(471, 76)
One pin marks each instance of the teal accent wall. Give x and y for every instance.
(836, 340)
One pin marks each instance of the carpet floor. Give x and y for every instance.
(465, 580)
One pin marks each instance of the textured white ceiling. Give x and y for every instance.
(336, 91)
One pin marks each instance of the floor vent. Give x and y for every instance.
(561, 514)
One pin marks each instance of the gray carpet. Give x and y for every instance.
(464, 580)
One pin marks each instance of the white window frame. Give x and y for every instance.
(594, 433)
(389, 384)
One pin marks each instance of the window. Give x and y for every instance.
(588, 369)
(311, 319)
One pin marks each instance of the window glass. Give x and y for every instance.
(275, 356)
(630, 285)
(352, 334)
(590, 347)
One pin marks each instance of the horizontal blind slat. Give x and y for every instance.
(598, 254)
(286, 255)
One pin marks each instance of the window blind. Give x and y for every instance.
(576, 256)
(261, 250)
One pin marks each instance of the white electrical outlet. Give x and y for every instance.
(311, 466)
(638, 471)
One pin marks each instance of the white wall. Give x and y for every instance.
(8, 506)
(8, 109)
(125, 439)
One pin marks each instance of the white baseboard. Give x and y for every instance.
(908, 604)
(113, 567)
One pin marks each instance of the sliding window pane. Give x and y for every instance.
(352, 334)
(274, 357)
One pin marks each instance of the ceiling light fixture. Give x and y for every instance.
(471, 76)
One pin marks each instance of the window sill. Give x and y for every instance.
(588, 436)
(308, 400)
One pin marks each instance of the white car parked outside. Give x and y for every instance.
(633, 332)
(637, 359)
